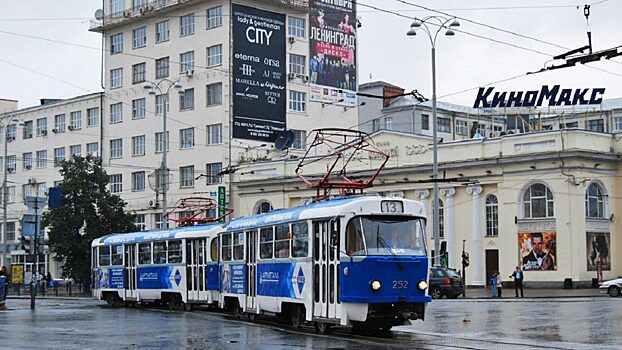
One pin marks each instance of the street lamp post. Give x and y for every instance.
(10, 120)
(424, 24)
(151, 88)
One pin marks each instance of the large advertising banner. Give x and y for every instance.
(259, 95)
(537, 250)
(598, 244)
(332, 63)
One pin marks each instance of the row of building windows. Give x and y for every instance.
(537, 202)
(186, 178)
(162, 29)
(40, 125)
(40, 158)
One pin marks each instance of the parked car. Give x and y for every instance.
(445, 282)
(612, 287)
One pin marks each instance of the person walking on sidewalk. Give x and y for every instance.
(499, 281)
(493, 282)
(518, 281)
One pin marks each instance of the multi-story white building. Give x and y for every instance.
(191, 43)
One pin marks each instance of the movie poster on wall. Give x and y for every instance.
(537, 250)
(598, 245)
(259, 95)
(332, 62)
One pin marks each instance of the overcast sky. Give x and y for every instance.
(48, 52)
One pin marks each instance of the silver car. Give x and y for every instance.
(612, 287)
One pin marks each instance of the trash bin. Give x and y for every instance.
(594, 282)
(568, 283)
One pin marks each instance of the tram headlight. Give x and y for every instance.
(423, 285)
(375, 285)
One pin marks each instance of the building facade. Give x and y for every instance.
(546, 201)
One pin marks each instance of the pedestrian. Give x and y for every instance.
(518, 281)
(499, 284)
(48, 279)
(493, 282)
(2, 288)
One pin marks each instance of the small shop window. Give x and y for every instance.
(117, 255)
(144, 253)
(104, 256)
(174, 252)
(226, 246)
(159, 252)
(238, 246)
(266, 243)
(281, 241)
(300, 239)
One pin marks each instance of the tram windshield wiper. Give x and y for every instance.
(379, 239)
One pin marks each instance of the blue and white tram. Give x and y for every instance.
(173, 266)
(358, 261)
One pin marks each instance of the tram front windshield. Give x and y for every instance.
(385, 235)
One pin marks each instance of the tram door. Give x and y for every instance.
(251, 268)
(195, 268)
(325, 268)
(130, 272)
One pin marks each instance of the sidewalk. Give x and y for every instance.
(508, 293)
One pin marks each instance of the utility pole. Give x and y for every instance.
(35, 275)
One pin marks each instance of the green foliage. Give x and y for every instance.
(88, 211)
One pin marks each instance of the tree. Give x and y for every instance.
(88, 211)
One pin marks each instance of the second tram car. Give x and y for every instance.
(173, 266)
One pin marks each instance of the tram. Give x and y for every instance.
(358, 260)
(170, 266)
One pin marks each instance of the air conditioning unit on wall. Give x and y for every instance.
(152, 204)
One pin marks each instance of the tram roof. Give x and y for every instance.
(154, 235)
(314, 210)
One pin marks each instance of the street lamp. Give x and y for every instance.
(151, 88)
(6, 123)
(425, 24)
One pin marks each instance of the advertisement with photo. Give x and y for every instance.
(332, 63)
(537, 250)
(598, 244)
(259, 94)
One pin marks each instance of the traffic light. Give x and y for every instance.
(465, 259)
(26, 243)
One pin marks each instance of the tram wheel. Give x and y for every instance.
(187, 306)
(235, 309)
(322, 327)
(296, 315)
(252, 317)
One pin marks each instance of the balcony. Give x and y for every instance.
(158, 5)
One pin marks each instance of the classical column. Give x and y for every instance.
(476, 262)
(450, 234)
(422, 196)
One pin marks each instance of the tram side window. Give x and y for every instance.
(159, 252)
(266, 242)
(226, 246)
(214, 249)
(174, 252)
(354, 238)
(117, 255)
(104, 256)
(144, 253)
(300, 239)
(238, 245)
(281, 241)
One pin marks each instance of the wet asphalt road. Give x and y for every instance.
(577, 323)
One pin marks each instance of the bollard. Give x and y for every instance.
(69, 288)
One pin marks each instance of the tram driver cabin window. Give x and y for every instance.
(300, 239)
(354, 238)
(144, 253)
(281, 242)
(104, 256)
